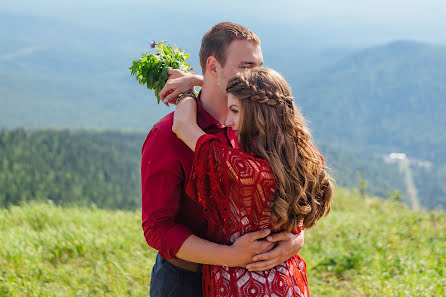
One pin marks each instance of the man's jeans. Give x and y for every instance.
(170, 281)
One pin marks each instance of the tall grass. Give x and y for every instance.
(47, 250)
(374, 247)
(363, 248)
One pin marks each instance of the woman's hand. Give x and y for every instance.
(185, 122)
(178, 83)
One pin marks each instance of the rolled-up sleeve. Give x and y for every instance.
(162, 182)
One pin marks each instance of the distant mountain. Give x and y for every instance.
(54, 73)
(390, 97)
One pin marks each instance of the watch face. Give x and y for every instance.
(182, 95)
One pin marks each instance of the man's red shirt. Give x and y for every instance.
(169, 216)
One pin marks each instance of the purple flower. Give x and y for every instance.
(153, 44)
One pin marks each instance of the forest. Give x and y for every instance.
(102, 168)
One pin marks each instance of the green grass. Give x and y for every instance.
(47, 250)
(376, 248)
(363, 248)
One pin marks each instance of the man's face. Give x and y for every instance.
(240, 55)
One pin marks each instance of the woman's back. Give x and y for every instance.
(237, 192)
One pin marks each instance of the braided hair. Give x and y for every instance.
(272, 128)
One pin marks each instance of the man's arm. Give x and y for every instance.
(161, 182)
(239, 254)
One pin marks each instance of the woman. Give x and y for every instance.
(276, 180)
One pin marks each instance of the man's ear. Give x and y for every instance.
(212, 65)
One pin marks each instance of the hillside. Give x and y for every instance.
(365, 247)
(102, 167)
(71, 167)
(386, 98)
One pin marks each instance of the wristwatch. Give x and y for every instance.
(188, 93)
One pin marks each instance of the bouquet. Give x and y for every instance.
(152, 69)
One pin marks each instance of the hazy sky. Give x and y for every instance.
(336, 22)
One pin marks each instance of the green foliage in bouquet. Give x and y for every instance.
(152, 69)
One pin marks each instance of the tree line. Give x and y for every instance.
(70, 167)
(86, 167)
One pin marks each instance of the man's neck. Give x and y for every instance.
(214, 102)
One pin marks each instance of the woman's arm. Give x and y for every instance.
(185, 122)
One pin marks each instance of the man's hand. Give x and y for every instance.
(247, 246)
(288, 245)
(178, 82)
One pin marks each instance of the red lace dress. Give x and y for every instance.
(236, 191)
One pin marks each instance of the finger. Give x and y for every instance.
(265, 246)
(172, 97)
(274, 253)
(259, 234)
(279, 237)
(166, 90)
(175, 73)
(262, 265)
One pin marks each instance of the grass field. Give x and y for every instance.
(366, 247)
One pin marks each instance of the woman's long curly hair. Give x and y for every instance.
(272, 128)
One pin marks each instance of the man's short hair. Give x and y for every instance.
(216, 41)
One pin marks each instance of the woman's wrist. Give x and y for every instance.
(188, 94)
(189, 133)
(184, 128)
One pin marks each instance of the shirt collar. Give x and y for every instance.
(206, 122)
(204, 119)
(232, 137)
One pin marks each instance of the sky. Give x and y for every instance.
(330, 23)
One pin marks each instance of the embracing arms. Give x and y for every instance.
(162, 189)
(161, 201)
(240, 253)
(286, 244)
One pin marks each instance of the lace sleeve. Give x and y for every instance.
(221, 172)
(201, 185)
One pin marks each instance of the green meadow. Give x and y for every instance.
(364, 247)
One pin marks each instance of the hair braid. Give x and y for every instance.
(247, 90)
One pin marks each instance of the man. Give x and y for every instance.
(172, 222)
